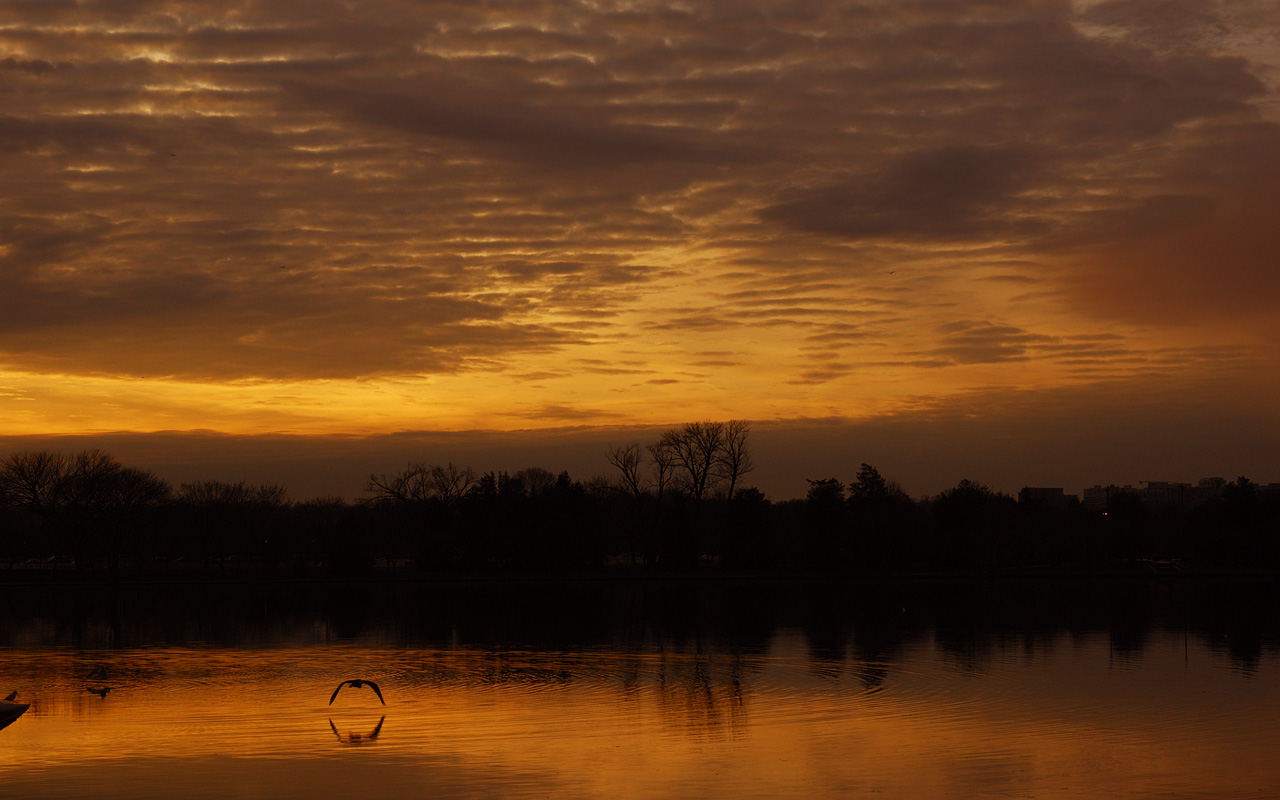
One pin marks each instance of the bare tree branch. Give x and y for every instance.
(735, 456)
(628, 460)
(696, 449)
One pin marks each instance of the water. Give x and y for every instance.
(586, 691)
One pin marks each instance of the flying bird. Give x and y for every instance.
(357, 683)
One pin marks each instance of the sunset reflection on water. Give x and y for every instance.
(1063, 719)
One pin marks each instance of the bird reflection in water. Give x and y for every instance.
(353, 738)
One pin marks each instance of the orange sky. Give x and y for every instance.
(317, 219)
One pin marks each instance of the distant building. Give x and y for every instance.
(1167, 494)
(1157, 494)
(1053, 498)
(1181, 495)
(1097, 496)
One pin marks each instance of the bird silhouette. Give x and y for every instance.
(12, 696)
(99, 692)
(357, 683)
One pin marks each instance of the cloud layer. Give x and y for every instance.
(609, 212)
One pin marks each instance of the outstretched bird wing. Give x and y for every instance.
(377, 691)
(335, 691)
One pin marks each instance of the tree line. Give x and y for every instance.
(678, 504)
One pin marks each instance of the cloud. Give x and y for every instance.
(862, 198)
(523, 123)
(985, 342)
(947, 193)
(1206, 253)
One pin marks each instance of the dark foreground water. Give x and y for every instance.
(900, 690)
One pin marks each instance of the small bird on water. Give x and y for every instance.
(99, 692)
(357, 683)
(12, 696)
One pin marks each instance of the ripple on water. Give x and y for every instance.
(929, 708)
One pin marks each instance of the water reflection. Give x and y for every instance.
(876, 619)
(353, 738)
(727, 691)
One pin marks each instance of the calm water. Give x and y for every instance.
(901, 691)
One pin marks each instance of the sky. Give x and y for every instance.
(1015, 241)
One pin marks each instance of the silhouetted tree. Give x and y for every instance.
(628, 460)
(735, 459)
(451, 483)
(869, 486)
(536, 480)
(749, 531)
(34, 479)
(493, 515)
(883, 521)
(569, 521)
(664, 469)
(329, 531)
(101, 503)
(974, 526)
(222, 519)
(697, 449)
(1238, 527)
(827, 524)
(31, 483)
(421, 505)
(419, 482)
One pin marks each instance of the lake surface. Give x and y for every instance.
(901, 690)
